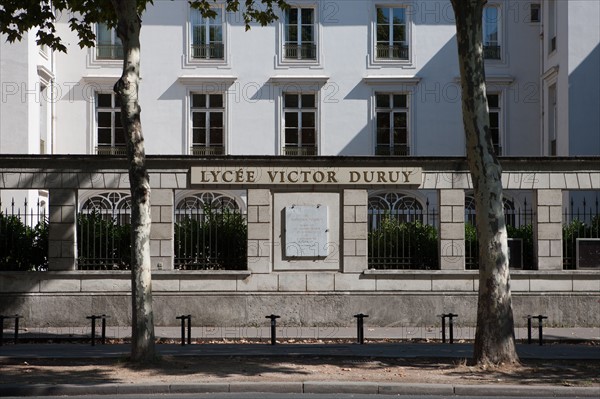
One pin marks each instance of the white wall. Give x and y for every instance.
(345, 109)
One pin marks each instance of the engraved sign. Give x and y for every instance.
(306, 175)
(306, 232)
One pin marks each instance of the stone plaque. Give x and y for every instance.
(306, 232)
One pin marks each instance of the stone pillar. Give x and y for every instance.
(162, 232)
(62, 232)
(452, 229)
(355, 231)
(548, 229)
(260, 226)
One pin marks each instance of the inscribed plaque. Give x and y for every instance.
(306, 232)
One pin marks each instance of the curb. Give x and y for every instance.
(309, 387)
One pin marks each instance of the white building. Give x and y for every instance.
(352, 56)
(352, 78)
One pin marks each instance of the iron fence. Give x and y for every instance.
(519, 225)
(210, 233)
(581, 234)
(402, 233)
(23, 237)
(104, 233)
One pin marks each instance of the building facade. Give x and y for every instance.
(358, 84)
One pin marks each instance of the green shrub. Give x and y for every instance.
(218, 241)
(102, 244)
(23, 248)
(398, 245)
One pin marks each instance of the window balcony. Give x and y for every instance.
(109, 150)
(397, 52)
(212, 51)
(307, 51)
(395, 150)
(207, 151)
(109, 51)
(491, 52)
(300, 151)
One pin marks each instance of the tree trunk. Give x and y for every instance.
(142, 336)
(494, 336)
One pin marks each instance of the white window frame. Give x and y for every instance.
(407, 110)
(190, 61)
(552, 34)
(500, 34)
(374, 61)
(501, 130)
(113, 109)
(93, 56)
(207, 109)
(282, 61)
(291, 90)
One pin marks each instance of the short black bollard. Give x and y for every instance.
(360, 328)
(183, 318)
(93, 318)
(273, 327)
(540, 328)
(16, 317)
(450, 317)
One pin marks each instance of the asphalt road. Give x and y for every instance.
(276, 396)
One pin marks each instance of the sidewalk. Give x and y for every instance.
(316, 333)
(551, 350)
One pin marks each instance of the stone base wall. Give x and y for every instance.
(411, 300)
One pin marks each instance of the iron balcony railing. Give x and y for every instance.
(109, 51)
(305, 51)
(300, 151)
(399, 150)
(116, 150)
(491, 52)
(395, 52)
(207, 151)
(215, 51)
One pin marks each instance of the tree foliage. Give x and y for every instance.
(19, 16)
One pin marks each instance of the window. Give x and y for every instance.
(300, 34)
(391, 114)
(552, 116)
(491, 35)
(495, 121)
(207, 39)
(207, 115)
(534, 12)
(108, 45)
(300, 124)
(551, 25)
(391, 36)
(110, 133)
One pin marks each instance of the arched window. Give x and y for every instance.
(399, 206)
(194, 206)
(110, 205)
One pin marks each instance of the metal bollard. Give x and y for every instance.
(16, 317)
(93, 318)
(450, 317)
(273, 327)
(540, 328)
(360, 328)
(183, 318)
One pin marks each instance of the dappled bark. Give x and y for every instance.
(128, 30)
(494, 337)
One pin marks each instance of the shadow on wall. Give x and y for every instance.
(584, 103)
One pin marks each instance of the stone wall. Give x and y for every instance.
(318, 290)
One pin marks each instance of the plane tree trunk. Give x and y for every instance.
(128, 30)
(494, 336)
